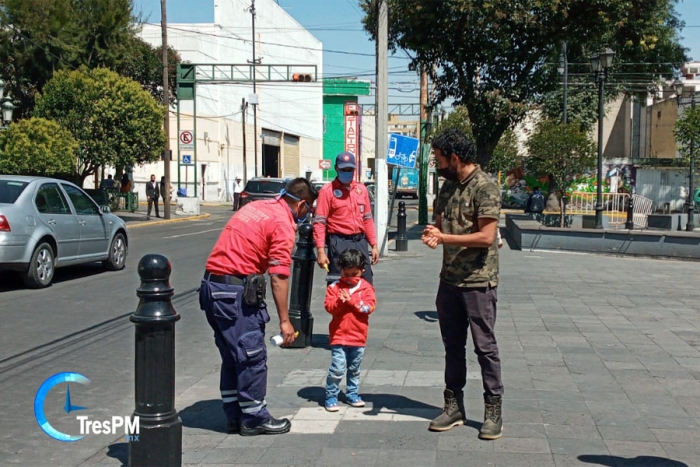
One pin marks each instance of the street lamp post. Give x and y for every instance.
(690, 204)
(6, 107)
(564, 70)
(600, 63)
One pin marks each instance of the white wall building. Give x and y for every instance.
(289, 114)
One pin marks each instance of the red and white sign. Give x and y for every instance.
(351, 127)
(186, 140)
(324, 164)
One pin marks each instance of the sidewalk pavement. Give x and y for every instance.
(138, 218)
(600, 355)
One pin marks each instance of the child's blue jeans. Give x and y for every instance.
(340, 355)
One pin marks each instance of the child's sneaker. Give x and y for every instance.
(332, 404)
(355, 401)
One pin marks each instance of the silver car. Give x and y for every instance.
(47, 223)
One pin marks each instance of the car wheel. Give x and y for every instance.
(117, 254)
(41, 267)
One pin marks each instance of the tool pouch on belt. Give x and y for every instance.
(254, 290)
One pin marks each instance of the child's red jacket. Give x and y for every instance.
(350, 323)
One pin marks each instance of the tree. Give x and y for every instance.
(145, 65)
(687, 132)
(37, 146)
(39, 37)
(114, 121)
(562, 151)
(498, 57)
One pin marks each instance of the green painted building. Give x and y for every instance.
(336, 93)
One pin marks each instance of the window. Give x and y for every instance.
(82, 202)
(10, 190)
(50, 200)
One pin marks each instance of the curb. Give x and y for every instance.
(168, 221)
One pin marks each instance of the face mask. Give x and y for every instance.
(350, 281)
(297, 219)
(345, 177)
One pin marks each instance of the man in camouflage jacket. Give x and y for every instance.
(467, 213)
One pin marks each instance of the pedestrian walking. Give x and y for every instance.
(152, 193)
(350, 301)
(259, 238)
(468, 210)
(107, 183)
(343, 220)
(237, 190)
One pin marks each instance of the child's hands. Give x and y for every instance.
(344, 296)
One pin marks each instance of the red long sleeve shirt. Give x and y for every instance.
(258, 238)
(340, 210)
(350, 322)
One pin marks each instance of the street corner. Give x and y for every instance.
(133, 222)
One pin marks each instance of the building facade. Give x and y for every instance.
(289, 135)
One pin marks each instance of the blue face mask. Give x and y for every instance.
(346, 177)
(297, 219)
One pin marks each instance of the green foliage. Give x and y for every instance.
(39, 37)
(113, 119)
(562, 151)
(505, 155)
(499, 57)
(687, 132)
(37, 146)
(144, 64)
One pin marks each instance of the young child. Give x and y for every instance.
(350, 300)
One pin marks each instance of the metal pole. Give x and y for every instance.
(382, 111)
(301, 288)
(177, 106)
(629, 225)
(566, 82)
(160, 428)
(244, 109)
(423, 165)
(255, 104)
(401, 238)
(599, 191)
(166, 103)
(690, 225)
(194, 138)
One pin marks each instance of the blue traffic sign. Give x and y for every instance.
(403, 151)
(187, 159)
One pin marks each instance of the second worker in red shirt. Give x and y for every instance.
(343, 220)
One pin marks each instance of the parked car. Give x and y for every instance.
(47, 223)
(262, 188)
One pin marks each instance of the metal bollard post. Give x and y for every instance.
(629, 225)
(302, 284)
(160, 428)
(401, 239)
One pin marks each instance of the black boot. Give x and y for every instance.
(268, 427)
(493, 422)
(452, 413)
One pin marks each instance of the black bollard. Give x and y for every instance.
(629, 225)
(160, 428)
(302, 285)
(401, 239)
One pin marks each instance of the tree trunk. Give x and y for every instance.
(484, 151)
(562, 218)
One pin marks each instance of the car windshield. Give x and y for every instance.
(10, 190)
(264, 186)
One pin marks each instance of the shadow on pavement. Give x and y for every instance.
(119, 451)
(321, 341)
(639, 461)
(205, 415)
(10, 280)
(428, 316)
(392, 403)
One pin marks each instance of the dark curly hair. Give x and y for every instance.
(351, 258)
(452, 141)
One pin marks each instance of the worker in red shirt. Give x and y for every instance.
(259, 238)
(343, 219)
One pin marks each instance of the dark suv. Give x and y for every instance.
(262, 188)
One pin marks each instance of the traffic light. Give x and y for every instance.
(302, 78)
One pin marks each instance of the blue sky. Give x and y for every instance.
(337, 23)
